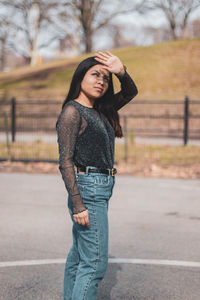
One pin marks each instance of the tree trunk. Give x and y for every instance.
(35, 38)
(3, 54)
(88, 41)
(173, 30)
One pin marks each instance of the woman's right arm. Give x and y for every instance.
(67, 127)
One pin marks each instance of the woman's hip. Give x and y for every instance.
(95, 186)
(95, 190)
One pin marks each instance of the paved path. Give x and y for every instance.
(154, 238)
(52, 138)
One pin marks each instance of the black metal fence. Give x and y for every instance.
(32, 124)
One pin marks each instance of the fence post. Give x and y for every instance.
(7, 137)
(125, 140)
(13, 118)
(186, 117)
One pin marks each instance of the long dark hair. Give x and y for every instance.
(103, 104)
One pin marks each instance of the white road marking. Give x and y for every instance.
(32, 262)
(179, 263)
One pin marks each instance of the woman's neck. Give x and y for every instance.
(83, 99)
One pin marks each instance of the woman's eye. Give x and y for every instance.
(105, 78)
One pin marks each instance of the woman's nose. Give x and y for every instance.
(100, 80)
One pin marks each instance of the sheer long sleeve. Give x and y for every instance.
(128, 90)
(67, 127)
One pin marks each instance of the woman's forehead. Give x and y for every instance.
(99, 69)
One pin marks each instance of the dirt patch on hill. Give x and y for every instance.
(38, 74)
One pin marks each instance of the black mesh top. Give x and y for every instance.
(84, 139)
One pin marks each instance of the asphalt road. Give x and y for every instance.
(154, 220)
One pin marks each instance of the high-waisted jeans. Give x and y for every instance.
(87, 260)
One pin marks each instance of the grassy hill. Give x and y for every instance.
(162, 71)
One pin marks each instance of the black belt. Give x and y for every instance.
(91, 169)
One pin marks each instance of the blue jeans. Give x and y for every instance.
(87, 260)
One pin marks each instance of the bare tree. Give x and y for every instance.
(93, 15)
(4, 29)
(120, 35)
(159, 35)
(31, 18)
(177, 13)
(195, 28)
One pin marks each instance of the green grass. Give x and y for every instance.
(36, 150)
(137, 154)
(161, 155)
(162, 71)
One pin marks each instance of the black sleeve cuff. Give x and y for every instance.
(122, 76)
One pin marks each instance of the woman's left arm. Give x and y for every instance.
(128, 90)
(114, 65)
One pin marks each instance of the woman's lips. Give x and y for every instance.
(99, 89)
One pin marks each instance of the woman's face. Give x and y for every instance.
(95, 82)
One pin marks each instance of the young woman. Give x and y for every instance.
(86, 129)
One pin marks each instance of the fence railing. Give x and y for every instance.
(25, 122)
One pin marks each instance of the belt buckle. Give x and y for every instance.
(112, 172)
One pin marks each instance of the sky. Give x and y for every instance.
(137, 21)
(133, 20)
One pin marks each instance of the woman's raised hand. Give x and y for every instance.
(82, 218)
(112, 63)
